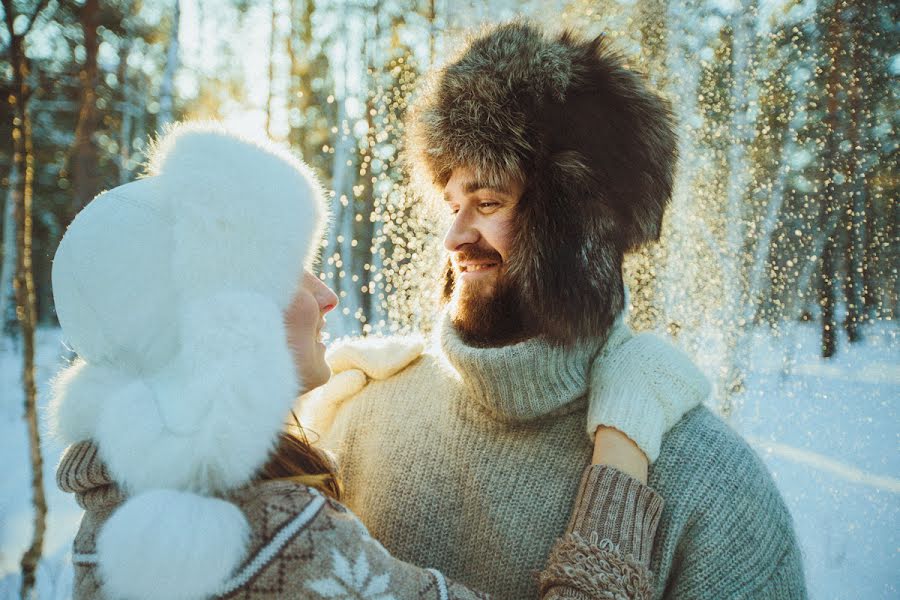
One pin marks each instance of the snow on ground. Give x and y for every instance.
(828, 430)
(63, 515)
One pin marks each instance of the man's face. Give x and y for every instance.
(484, 308)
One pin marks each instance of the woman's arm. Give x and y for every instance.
(306, 545)
(606, 550)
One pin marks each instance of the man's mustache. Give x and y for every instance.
(470, 253)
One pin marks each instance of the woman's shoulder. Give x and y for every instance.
(270, 505)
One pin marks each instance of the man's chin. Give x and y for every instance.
(482, 319)
(477, 290)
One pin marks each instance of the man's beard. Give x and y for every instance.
(484, 319)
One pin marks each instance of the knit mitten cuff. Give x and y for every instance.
(615, 507)
(642, 388)
(581, 569)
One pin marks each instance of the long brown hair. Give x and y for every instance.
(295, 459)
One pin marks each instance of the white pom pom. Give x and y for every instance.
(171, 544)
(78, 395)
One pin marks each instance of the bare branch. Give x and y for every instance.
(9, 17)
(41, 5)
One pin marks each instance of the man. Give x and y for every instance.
(554, 160)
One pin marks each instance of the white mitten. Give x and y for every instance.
(642, 385)
(377, 357)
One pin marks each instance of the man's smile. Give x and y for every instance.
(471, 269)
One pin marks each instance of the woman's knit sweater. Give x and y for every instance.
(304, 545)
(483, 449)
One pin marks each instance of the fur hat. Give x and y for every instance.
(171, 290)
(594, 145)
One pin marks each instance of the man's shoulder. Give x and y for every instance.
(705, 467)
(724, 512)
(705, 449)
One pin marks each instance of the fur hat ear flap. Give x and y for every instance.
(78, 395)
(205, 423)
(567, 260)
(171, 544)
(624, 135)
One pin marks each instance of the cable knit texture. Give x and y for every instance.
(303, 545)
(483, 449)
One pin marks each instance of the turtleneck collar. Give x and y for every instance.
(523, 381)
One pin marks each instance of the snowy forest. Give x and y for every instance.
(776, 269)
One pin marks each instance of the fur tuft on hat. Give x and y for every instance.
(594, 145)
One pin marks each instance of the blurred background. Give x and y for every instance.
(777, 267)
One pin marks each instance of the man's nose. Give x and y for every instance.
(462, 231)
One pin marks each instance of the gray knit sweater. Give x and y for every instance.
(483, 450)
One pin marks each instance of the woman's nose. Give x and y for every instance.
(326, 297)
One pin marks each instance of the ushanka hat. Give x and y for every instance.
(594, 145)
(171, 290)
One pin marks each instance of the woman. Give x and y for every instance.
(180, 294)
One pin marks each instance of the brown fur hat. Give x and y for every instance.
(594, 145)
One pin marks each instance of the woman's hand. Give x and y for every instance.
(642, 387)
(615, 449)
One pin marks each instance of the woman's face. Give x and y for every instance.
(304, 320)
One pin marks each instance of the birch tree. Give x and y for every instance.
(23, 159)
(833, 173)
(9, 329)
(270, 97)
(85, 154)
(166, 88)
(128, 108)
(739, 306)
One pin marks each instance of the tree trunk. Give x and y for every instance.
(857, 232)
(339, 251)
(826, 301)
(23, 158)
(870, 282)
(739, 179)
(643, 266)
(166, 88)
(432, 33)
(124, 82)
(835, 183)
(684, 92)
(300, 94)
(86, 155)
(271, 94)
(8, 319)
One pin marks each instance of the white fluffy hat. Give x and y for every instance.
(171, 290)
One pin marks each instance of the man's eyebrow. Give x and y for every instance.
(473, 186)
